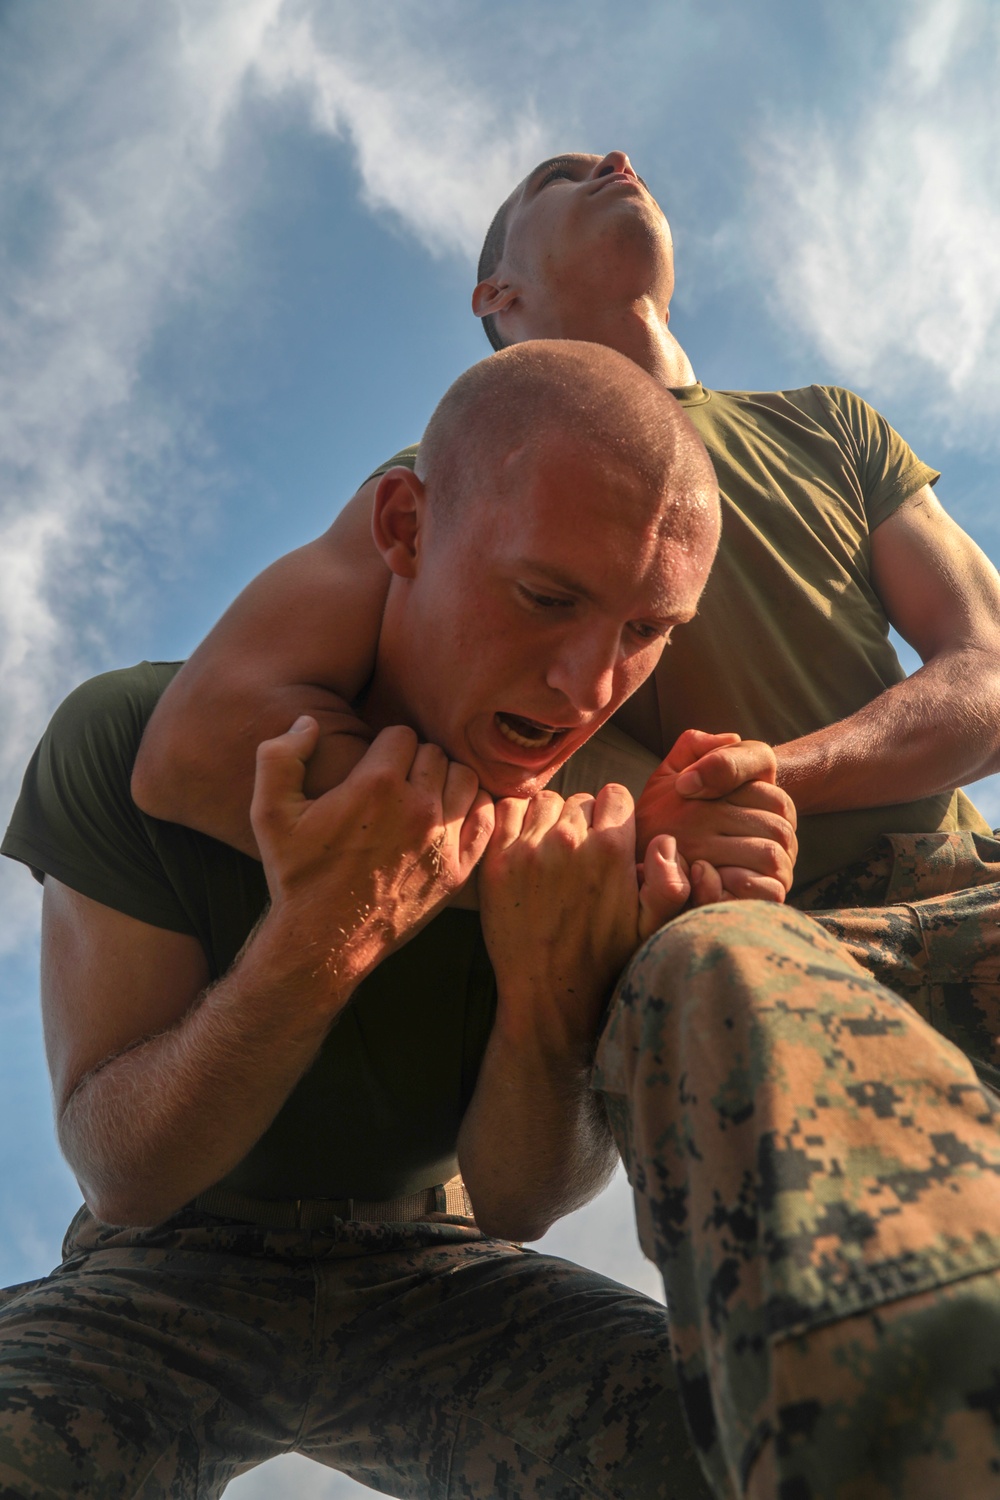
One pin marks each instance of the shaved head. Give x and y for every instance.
(503, 411)
(561, 524)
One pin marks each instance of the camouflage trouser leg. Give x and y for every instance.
(423, 1360)
(923, 915)
(817, 1176)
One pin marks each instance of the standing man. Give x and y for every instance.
(830, 533)
(263, 1074)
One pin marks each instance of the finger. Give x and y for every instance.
(461, 785)
(721, 771)
(428, 771)
(706, 884)
(614, 808)
(476, 831)
(543, 812)
(664, 885)
(583, 802)
(746, 885)
(281, 774)
(741, 836)
(392, 751)
(692, 745)
(758, 856)
(764, 796)
(508, 822)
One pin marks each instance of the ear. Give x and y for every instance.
(493, 296)
(397, 519)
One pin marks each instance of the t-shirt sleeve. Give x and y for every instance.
(888, 469)
(75, 819)
(406, 457)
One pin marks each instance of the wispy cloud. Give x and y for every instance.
(109, 181)
(879, 230)
(441, 171)
(116, 180)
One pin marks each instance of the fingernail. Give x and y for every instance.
(301, 723)
(689, 783)
(696, 870)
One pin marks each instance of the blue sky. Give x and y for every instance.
(237, 240)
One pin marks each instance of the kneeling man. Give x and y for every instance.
(266, 1075)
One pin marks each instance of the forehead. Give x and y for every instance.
(589, 523)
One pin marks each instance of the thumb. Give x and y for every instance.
(281, 770)
(690, 746)
(664, 885)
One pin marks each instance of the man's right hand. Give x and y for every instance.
(715, 794)
(357, 871)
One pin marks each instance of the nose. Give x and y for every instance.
(583, 672)
(615, 161)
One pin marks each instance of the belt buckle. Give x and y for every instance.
(348, 1203)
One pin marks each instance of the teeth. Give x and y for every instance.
(537, 741)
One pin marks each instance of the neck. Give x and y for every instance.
(639, 331)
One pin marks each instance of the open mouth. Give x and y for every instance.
(527, 733)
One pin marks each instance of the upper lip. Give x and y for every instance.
(614, 177)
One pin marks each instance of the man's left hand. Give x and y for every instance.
(560, 908)
(716, 794)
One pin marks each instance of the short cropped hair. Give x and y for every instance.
(489, 258)
(515, 399)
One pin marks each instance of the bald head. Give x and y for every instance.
(561, 524)
(505, 412)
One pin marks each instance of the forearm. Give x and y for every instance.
(936, 730)
(150, 1128)
(535, 1142)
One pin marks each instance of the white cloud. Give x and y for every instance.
(117, 167)
(441, 170)
(879, 230)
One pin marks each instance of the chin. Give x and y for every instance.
(517, 781)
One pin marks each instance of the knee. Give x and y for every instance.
(717, 936)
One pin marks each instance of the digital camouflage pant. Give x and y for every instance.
(422, 1359)
(816, 1172)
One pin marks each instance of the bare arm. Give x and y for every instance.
(300, 639)
(939, 728)
(561, 915)
(161, 1084)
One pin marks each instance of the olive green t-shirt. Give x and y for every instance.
(790, 635)
(378, 1113)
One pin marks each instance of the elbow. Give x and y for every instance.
(114, 1196)
(511, 1221)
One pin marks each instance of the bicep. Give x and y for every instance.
(311, 617)
(108, 981)
(938, 588)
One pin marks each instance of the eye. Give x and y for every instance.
(553, 174)
(647, 633)
(535, 600)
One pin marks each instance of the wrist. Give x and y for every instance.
(542, 1041)
(290, 950)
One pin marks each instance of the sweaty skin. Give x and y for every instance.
(581, 250)
(302, 638)
(162, 1084)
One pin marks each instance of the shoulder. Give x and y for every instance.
(75, 819)
(112, 708)
(405, 458)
